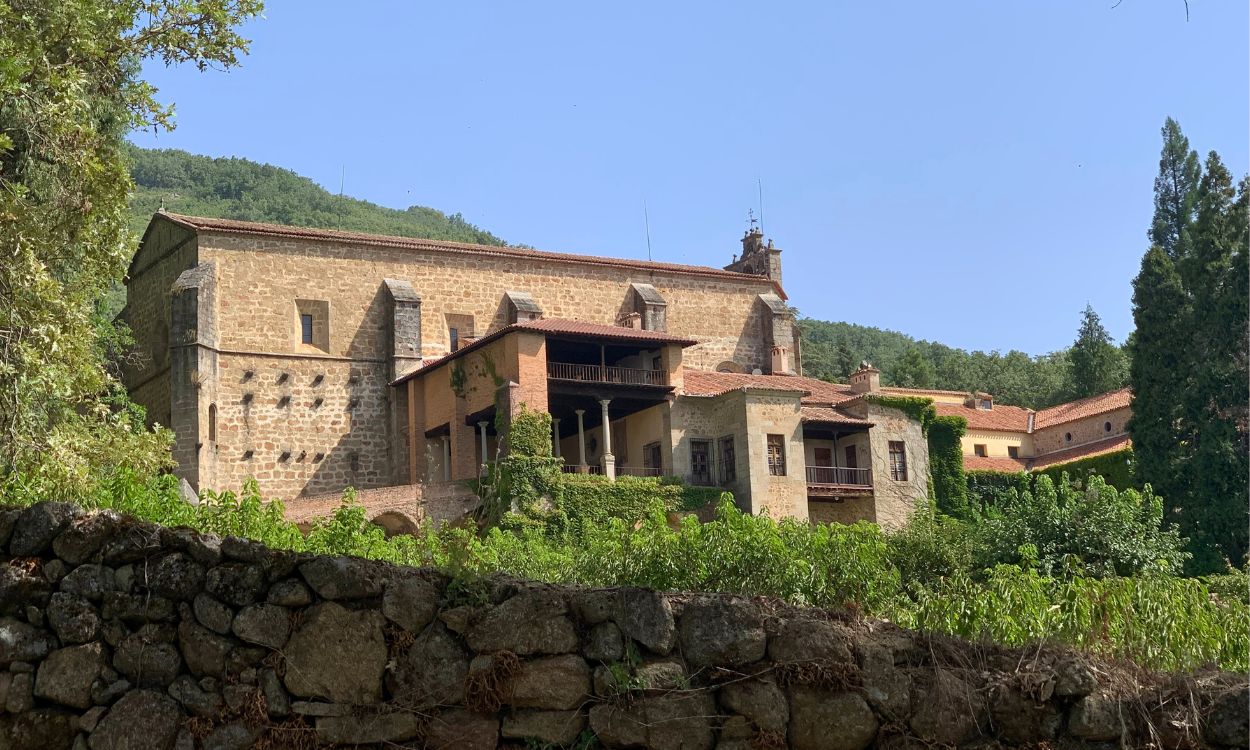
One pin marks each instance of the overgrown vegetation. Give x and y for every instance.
(936, 573)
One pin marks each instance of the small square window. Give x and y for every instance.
(1013, 451)
(981, 449)
(777, 455)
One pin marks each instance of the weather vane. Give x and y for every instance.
(751, 220)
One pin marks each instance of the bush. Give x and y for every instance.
(1116, 469)
(1096, 530)
(931, 547)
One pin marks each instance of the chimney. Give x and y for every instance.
(867, 379)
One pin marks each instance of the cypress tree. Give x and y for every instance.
(1095, 365)
(1175, 191)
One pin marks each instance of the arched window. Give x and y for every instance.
(212, 423)
(729, 366)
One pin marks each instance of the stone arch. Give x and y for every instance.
(729, 366)
(394, 523)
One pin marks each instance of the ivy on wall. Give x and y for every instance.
(1117, 469)
(946, 462)
(993, 489)
(594, 499)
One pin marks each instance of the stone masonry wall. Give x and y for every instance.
(120, 634)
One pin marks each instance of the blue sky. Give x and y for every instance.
(971, 173)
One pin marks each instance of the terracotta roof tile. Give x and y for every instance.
(1086, 407)
(995, 463)
(235, 226)
(827, 415)
(704, 383)
(1001, 417)
(1097, 448)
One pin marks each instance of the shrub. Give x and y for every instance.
(994, 489)
(931, 547)
(1096, 530)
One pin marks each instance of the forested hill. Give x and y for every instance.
(232, 188)
(833, 350)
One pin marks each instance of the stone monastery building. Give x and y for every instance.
(313, 360)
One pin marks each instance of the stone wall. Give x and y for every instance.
(1083, 431)
(120, 634)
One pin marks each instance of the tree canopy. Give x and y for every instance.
(69, 92)
(1095, 364)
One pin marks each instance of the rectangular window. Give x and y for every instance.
(852, 460)
(651, 458)
(701, 462)
(898, 461)
(454, 335)
(980, 449)
(1013, 451)
(728, 462)
(459, 330)
(306, 328)
(822, 456)
(312, 324)
(777, 455)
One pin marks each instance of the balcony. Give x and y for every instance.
(621, 471)
(605, 374)
(837, 481)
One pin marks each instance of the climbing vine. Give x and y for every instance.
(946, 465)
(918, 408)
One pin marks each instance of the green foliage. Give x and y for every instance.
(525, 483)
(1190, 365)
(919, 408)
(1067, 530)
(832, 350)
(529, 433)
(69, 92)
(593, 499)
(1115, 468)
(232, 188)
(946, 465)
(995, 489)
(924, 575)
(1095, 364)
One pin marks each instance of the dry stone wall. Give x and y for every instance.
(120, 634)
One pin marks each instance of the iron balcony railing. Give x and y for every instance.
(601, 374)
(837, 475)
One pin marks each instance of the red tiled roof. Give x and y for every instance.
(1086, 407)
(920, 391)
(827, 415)
(1097, 448)
(1001, 417)
(234, 226)
(553, 326)
(705, 383)
(602, 331)
(1005, 464)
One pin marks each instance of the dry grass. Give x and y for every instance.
(485, 690)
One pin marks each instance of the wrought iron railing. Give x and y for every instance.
(600, 374)
(838, 475)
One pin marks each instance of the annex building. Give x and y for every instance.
(314, 360)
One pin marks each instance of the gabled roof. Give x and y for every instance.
(1086, 407)
(234, 226)
(556, 327)
(1096, 448)
(1002, 417)
(705, 383)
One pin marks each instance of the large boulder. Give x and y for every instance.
(431, 672)
(458, 729)
(410, 602)
(212, 614)
(90, 581)
(369, 728)
(147, 660)
(678, 721)
(65, 677)
(72, 618)
(761, 701)
(343, 577)
(37, 526)
(337, 654)
(237, 584)
(204, 650)
(1019, 719)
(820, 720)
(1099, 717)
(554, 683)
(141, 720)
(20, 641)
(1228, 723)
(550, 728)
(531, 622)
(722, 632)
(263, 624)
(21, 584)
(647, 617)
(805, 640)
(85, 536)
(176, 576)
(41, 729)
(945, 708)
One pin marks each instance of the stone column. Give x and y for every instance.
(609, 460)
(555, 437)
(581, 441)
(482, 426)
(447, 458)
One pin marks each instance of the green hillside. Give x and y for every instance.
(832, 350)
(231, 188)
